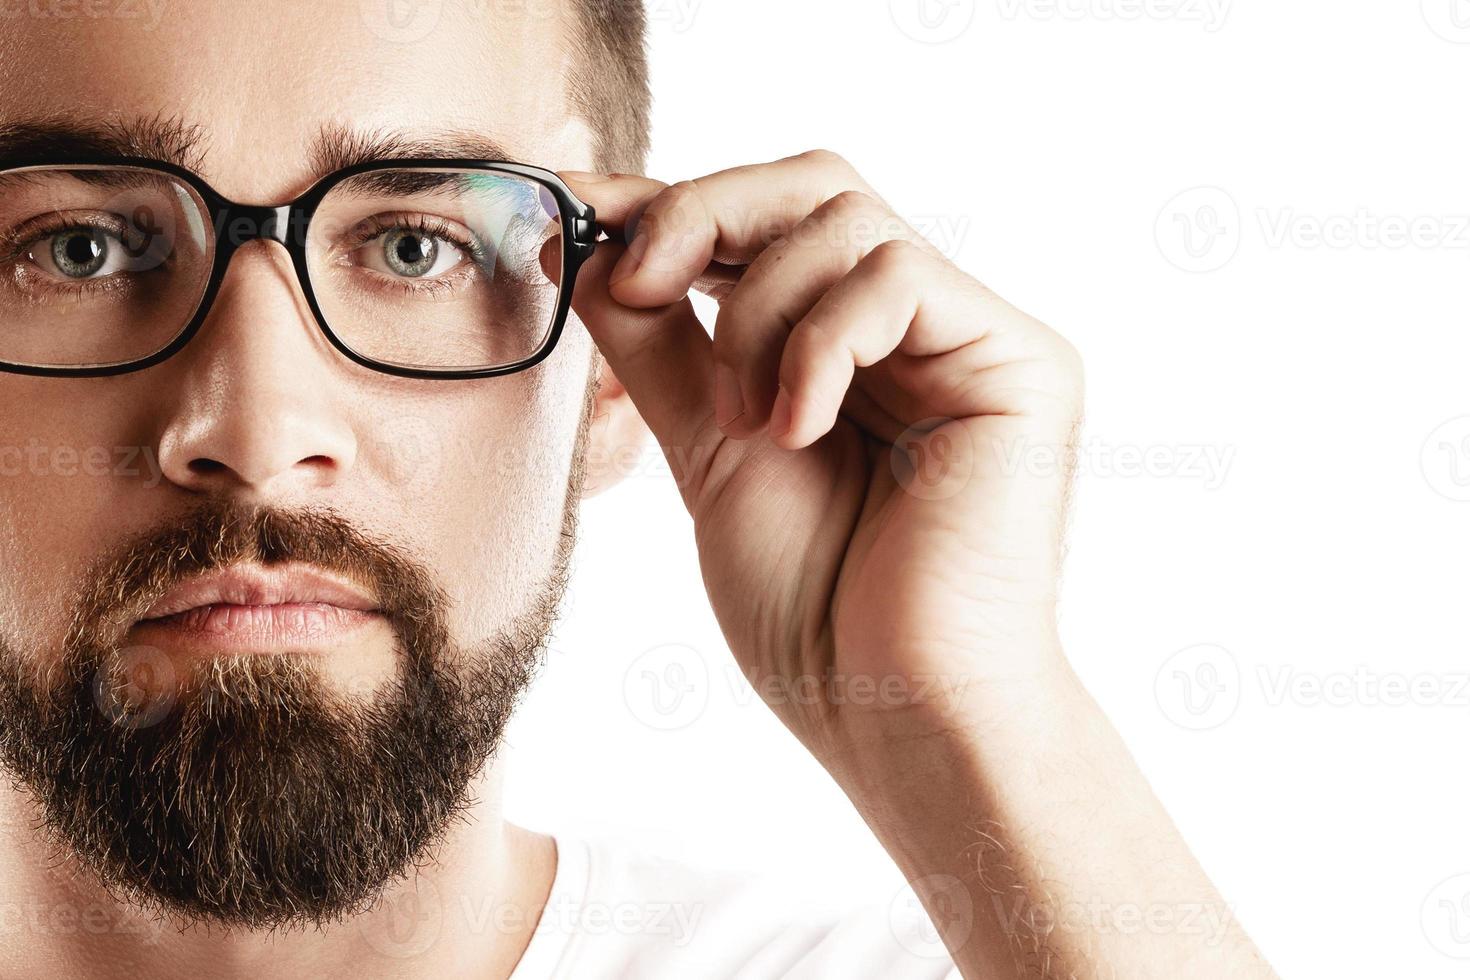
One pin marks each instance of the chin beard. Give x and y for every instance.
(249, 791)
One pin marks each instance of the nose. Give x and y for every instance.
(254, 403)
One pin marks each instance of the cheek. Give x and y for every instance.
(70, 476)
(491, 487)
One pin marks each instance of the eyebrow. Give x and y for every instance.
(337, 147)
(171, 139)
(157, 137)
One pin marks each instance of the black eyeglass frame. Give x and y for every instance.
(234, 224)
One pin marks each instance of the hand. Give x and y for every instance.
(873, 447)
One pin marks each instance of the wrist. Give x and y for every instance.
(958, 731)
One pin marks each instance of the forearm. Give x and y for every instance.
(1036, 844)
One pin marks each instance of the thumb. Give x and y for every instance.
(662, 355)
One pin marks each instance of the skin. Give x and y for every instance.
(983, 767)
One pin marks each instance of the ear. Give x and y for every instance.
(616, 434)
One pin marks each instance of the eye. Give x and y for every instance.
(83, 253)
(411, 253)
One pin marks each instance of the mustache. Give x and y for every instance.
(123, 583)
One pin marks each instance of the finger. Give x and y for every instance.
(616, 196)
(728, 217)
(903, 300)
(661, 355)
(780, 287)
(719, 280)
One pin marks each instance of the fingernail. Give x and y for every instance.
(585, 177)
(631, 261)
(729, 406)
(781, 414)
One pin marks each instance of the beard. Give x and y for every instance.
(251, 790)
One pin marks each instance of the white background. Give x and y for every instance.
(1274, 504)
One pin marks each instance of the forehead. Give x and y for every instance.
(261, 90)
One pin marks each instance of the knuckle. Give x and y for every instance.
(896, 256)
(853, 221)
(853, 199)
(1073, 365)
(678, 205)
(675, 221)
(826, 158)
(803, 348)
(682, 189)
(1067, 373)
(816, 338)
(850, 203)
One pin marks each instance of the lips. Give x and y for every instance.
(256, 605)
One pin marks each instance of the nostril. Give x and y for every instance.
(204, 466)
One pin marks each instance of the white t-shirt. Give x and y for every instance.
(614, 911)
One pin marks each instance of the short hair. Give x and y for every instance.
(610, 87)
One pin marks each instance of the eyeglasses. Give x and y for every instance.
(421, 268)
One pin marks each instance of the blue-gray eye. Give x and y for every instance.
(89, 252)
(79, 253)
(412, 248)
(410, 253)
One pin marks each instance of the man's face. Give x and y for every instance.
(466, 481)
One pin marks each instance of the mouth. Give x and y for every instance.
(254, 607)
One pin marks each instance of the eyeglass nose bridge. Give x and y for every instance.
(238, 224)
